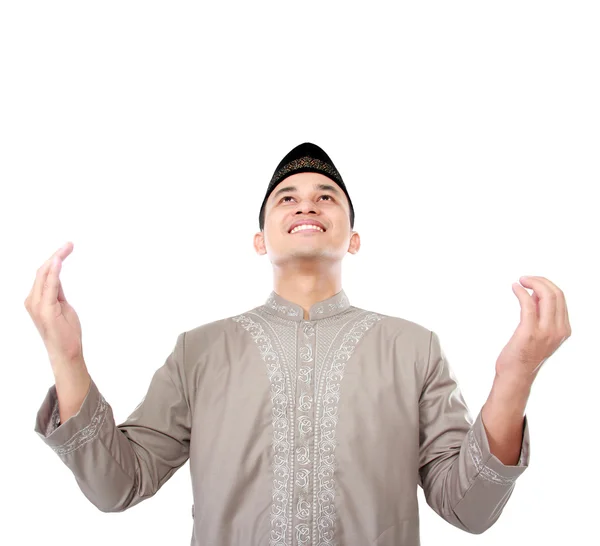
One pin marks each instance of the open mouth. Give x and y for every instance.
(307, 228)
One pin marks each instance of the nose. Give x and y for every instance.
(306, 206)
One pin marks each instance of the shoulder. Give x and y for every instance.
(205, 337)
(399, 328)
(407, 342)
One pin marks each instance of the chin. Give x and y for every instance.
(299, 254)
(309, 254)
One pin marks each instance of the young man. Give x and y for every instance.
(306, 420)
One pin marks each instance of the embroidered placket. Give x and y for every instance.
(305, 362)
(304, 456)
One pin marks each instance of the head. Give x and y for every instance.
(306, 196)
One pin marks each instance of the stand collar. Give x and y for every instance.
(276, 305)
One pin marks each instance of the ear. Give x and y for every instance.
(354, 246)
(259, 243)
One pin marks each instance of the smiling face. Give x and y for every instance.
(316, 202)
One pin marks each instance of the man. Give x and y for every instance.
(306, 420)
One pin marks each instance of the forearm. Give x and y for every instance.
(502, 416)
(100, 456)
(119, 466)
(72, 382)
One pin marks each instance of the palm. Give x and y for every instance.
(66, 331)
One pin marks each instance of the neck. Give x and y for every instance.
(307, 285)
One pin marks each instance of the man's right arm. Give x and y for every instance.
(117, 467)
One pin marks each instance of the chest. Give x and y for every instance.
(300, 382)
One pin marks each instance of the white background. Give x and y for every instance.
(146, 133)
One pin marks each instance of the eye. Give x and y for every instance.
(284, 199)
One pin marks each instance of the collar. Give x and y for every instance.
(276, 305)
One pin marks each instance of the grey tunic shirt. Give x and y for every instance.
(297, 431)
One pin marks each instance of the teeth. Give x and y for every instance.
(304, 227)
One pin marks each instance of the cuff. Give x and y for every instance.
(75, 431)
(488, 466)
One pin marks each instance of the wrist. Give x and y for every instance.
(510, 394)
(71, 376)
(513, 384)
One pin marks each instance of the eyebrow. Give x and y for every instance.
(321, 187)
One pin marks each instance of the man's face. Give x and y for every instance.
(313, 198)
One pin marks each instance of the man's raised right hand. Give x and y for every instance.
(58, 324)
(56, 321)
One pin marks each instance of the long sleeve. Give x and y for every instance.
(117, 467)
(462, 480)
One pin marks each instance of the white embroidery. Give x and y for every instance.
(308, 329)
(305, 375)
(342, 303)
(302, 533)
(336, 303)
(305, 430)
(485, 471)
(302, 477)
(305, 402)
(306, 354)
(283, 309)
(86, 434)
(324, 492)
(303, 444)
(304, 425)
(282, 443)
(302, 455)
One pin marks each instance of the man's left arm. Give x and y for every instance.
(463, 481)
(544, 326)
(468, 468)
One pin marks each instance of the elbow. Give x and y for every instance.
(110, 508)
(471, 527)
(477, 525)
(110, 503)
(479, 530)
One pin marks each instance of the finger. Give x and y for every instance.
(559, 317)
(38, 285)
(61, 293)
(50, 294)
(528, 311)
(547, 282)
(547, 300)
(68, 248)
(562, 315)
(42, 273)
(536, 300)
(567, 322)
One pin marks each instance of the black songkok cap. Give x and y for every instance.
(306, 157)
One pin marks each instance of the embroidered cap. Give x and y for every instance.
(306, 157)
